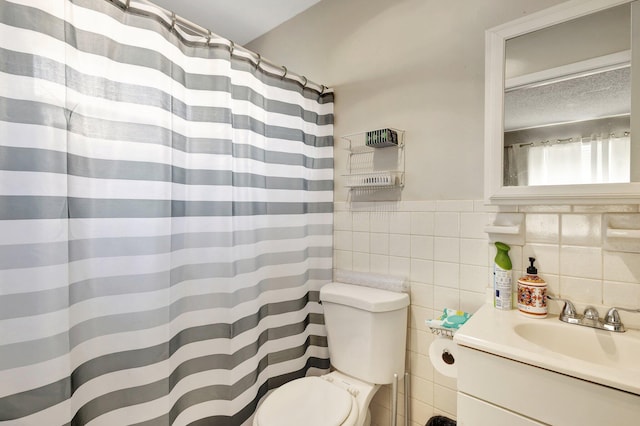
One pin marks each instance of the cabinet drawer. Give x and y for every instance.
(473, 412)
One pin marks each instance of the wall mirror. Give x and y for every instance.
(559, 125)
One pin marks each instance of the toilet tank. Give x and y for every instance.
(366, 330)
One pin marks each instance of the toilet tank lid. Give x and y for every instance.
(365, 298)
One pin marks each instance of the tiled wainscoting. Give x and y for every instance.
(441, 247)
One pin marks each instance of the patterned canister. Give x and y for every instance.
(532, 293)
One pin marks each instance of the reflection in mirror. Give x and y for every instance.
(567, 102)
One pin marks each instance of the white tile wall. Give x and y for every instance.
(443, 250)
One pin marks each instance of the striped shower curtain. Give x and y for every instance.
(165, 221)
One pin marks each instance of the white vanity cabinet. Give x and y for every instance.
(497, 391)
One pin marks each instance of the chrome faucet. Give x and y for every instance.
(612, 318)
(590, 316)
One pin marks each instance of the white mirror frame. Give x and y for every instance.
(495, 191)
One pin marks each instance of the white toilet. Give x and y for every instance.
(366, 332)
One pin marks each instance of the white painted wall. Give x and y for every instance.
(410, 64)
(418, 65)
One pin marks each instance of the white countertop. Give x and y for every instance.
(493, 331)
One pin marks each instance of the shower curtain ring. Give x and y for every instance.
(209, 38)
(285, 72)
(173, 20)
(232, 47)
(259, 61)
(304, 85)
(323, 89)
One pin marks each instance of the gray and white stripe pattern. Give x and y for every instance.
(165, 222)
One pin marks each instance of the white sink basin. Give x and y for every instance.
(599, 356)
(617, 350)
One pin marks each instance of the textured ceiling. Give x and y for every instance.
(598, 95)
(239, 20)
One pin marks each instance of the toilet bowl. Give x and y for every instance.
(333, 399)
(366, 337)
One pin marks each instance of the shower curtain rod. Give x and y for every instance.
(549, 142)
(180, 25)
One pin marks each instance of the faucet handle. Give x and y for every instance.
(612, 317)
(568, 310)
(591, 313)
(612, 320)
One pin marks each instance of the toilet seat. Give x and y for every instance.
(310, 401)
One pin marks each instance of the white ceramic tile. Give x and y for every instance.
(421, 390)
(422, 223)
(361, 262)
(400, 223)
(581, 229)
(421, 294)
(379, 243)
(444, 297)
(472, 301)
(626, 295)
(417, 316)
(342, 221)
(379, 264)
(454, 205)
(474, 252)
(553, 284)
(581, 289)
(379, 415)
(400, 245)
(400, 266)
(623, 267)
(545, 209)
(343, 259)
(445, 399)
(379, 221)
(472, 225)
(446, 249)
(383, 396)
(448, 382)
(419, 341)
(420, 412)
(547, 258)
(361, 241)
(420, 366)
(446, 274)
(343, 240)
(542, 228)
(474, 278)
(362, 206)
(615, 208)
(422, 271)
(360, 221)
(421, 247)
(419, 206)
(480, 206)
(582, 262)
(340, 206)
(447, 224)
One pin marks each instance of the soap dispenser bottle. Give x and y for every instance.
(532, 293)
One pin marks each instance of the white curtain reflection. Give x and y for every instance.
(588, 160)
